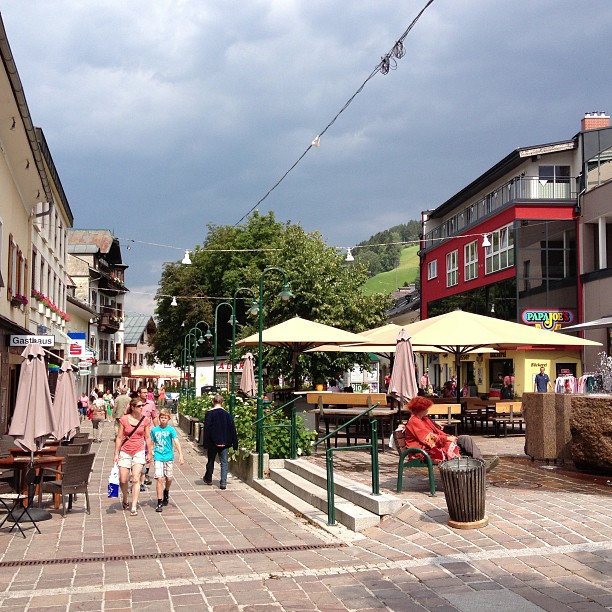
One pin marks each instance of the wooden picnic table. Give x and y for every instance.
(337, 416)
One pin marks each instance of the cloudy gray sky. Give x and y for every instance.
(166, 115)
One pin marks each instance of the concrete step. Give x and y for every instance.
(352, 516)
(355, 492)
(279, 495)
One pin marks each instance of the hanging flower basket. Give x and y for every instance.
(19, 300)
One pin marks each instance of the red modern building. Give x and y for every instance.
(508, 244)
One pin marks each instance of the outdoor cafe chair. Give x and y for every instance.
(14, 505)
(73, 478)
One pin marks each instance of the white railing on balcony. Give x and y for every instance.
(518, 188)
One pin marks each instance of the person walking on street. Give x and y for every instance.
(133, 447)
(149, 409)
(219, 435)
(121, 404)
(98, 416)
(164, 439)
(542, 382)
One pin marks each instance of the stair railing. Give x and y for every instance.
(292, 426)
(329, 460)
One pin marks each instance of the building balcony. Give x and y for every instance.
(108, 324)
(518, 189)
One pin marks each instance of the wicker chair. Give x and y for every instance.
(74, 478)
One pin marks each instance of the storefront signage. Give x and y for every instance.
(76, 348)
(25, 340)
(547, 318)
(498, 355)
(226, 366)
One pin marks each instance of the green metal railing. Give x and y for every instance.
(292, 426)
(329, 460)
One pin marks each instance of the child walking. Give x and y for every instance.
(164, 439)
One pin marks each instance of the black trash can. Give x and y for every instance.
(464, 483)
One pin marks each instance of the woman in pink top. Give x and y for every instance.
(133, 448)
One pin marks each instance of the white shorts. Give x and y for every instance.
(164, 469)
(127, 461)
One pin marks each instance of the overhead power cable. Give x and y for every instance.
(387, 62)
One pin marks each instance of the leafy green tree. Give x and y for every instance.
(326, 289)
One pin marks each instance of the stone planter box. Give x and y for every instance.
(41, 308)
(245, 468)
(547, 431)
(576, 428)
(591, 429)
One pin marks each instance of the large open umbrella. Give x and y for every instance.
(146, 373)
(602, 323)
(65, 403)
(299, 334)
(459, 332)
(403, 383)
(247, 382)
(33, 419)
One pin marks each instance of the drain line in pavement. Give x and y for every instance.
(170, 555)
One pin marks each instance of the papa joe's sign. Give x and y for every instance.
(547, 318)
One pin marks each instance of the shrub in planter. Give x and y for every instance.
(276, 439)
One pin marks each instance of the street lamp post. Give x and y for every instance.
(254, 309)
(192, 333)
(200, 340)
(215, 341)
(285, 294)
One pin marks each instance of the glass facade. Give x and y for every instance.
(545, 275)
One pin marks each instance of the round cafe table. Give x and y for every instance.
(16, 451)
(21, 465)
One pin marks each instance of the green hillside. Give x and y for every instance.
(406, 272)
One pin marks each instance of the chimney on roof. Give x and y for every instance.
(594, 121)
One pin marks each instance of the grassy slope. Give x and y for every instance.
(407, 272)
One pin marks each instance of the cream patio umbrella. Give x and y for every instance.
(459, 332)
(33, 419)
(403, 383)
(65, 403)
(247, 381)
(299, 335)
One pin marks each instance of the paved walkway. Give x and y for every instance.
(548, 546)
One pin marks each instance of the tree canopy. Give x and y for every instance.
(326, 289)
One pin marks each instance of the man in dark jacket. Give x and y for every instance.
(219, 435)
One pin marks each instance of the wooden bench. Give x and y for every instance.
(412, 457)
(507, 413)
(445, 415)
(474, 410)
(331, 406)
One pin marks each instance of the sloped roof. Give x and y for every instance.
(134, 325)
(100, 238)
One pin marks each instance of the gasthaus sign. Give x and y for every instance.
(25, 340)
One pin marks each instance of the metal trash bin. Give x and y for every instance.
(464, 482)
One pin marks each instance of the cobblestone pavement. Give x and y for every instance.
(548, 546)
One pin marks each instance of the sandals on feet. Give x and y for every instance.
(125, 505)
(133, 512)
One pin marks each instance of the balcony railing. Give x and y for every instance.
(108, 324)
(520, 188)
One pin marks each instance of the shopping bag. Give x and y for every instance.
(113, 481)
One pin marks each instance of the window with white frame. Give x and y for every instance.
(470, 261)
(432, 269)
(452, 268)
(500, 255)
